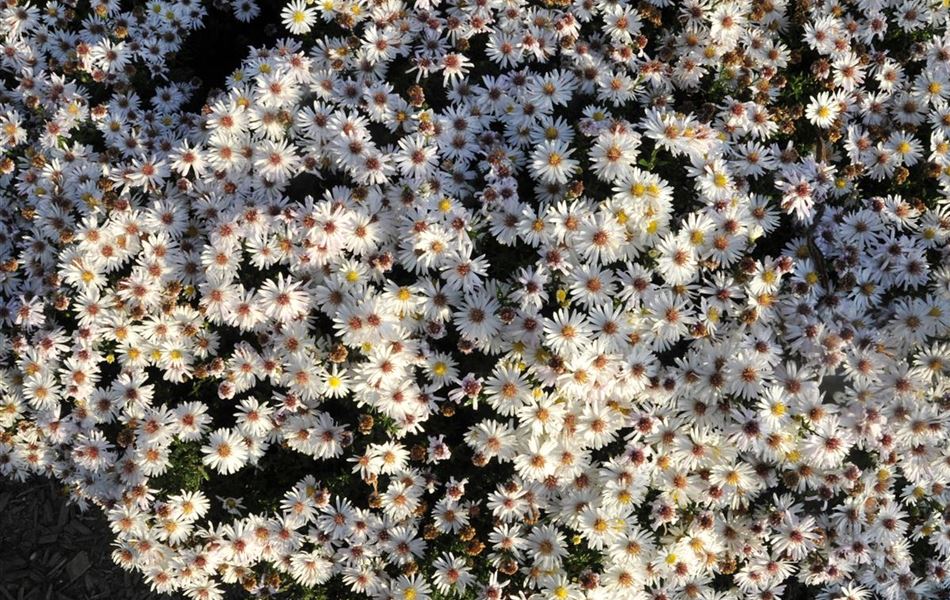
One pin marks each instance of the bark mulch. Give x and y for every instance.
(51, 551)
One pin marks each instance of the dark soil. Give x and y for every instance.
(51, 551)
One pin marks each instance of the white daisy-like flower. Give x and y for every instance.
(284, 299)
(822, 110)
(551, 162)
(298, 17)
(225, 451)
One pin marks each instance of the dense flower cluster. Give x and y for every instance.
(555, 300)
